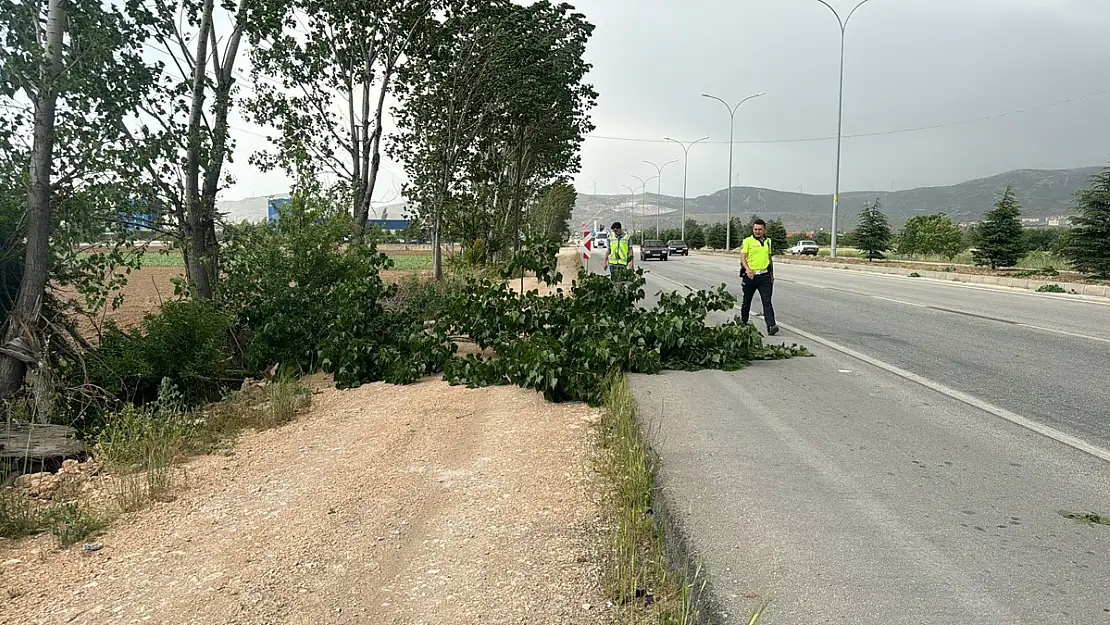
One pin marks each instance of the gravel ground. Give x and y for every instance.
(383, 504)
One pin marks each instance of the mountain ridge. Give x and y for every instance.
(1044, 194)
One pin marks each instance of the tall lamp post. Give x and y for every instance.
(632, 191)
(685, 171)
(731, 125)
(659, 190)
(839, 114)
(643, 198)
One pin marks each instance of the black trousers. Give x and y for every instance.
(766, 287)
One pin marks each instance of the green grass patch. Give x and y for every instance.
(163, 259)
(640, 581)
(1033, 261)
(264, 405)
(20, 515)
(156, 259)
(411, 262)
(69, 522)
(72, 522)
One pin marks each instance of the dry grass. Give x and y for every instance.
(644, 585)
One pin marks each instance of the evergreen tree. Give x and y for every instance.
(999, 239)
(715, 236)
(740, 231)
(873, 234)
(695, 235)
(776, 231)
(1087, 246)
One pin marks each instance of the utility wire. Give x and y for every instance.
(874, 134)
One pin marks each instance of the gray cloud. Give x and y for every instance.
(909, 63)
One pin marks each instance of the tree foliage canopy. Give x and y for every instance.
(493, 108)
(1087, 245)
(931, 234)
(873, 234)
(999, 241)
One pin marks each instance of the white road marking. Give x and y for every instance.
(1022, 324)
(1002, 413)
(898, 301)
(1064, 332)
(992, 288)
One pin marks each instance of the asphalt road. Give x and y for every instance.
(1044, 357)
(842, 492)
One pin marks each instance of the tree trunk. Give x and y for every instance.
(209, 252)
(23, 318)
(196, 252)
(363, 211)
(437, 251)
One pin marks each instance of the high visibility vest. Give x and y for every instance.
(618, 249)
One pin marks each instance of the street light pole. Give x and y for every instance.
(839, 115)
(731, 125)
(643, 198)
(658, 191)
(685, 171)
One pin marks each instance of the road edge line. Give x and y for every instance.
(1014, 418)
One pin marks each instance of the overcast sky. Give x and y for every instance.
(909, 64)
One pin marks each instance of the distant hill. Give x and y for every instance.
(1043, 194)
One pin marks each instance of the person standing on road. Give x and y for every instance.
(618, 255)
(758, 275)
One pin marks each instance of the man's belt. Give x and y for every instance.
(761, 272)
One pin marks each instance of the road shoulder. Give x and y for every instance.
(842, 493)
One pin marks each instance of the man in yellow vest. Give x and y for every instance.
(618, 254)
(758, 275)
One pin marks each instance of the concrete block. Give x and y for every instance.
(1098, 290)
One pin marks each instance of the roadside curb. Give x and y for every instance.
(1073, 288)
(678, 547)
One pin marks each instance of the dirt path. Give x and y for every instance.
(421, 504)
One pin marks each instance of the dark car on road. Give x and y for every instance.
(654, 249)
(677, 247)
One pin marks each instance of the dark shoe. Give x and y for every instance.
(773, 330)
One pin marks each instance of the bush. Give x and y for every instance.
(931, 234)
(1051, 288)
(187, 342)
(286, 280)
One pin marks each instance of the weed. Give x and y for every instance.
(914, 275)
(285, 397)
(1030, 273)
(134, 491)
(141, 444)
(274, 403)
(1051, 288)
(72, 522)
(19, 515)
(640, 581)
(135, 439)
(1089, 518)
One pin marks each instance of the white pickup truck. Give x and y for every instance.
(805, 248)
